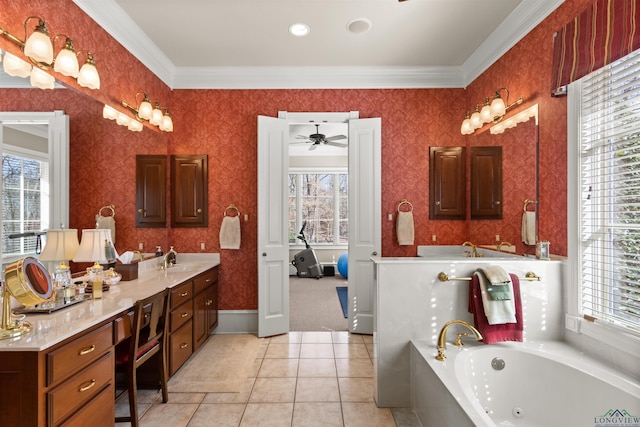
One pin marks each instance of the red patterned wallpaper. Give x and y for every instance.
(225, 127)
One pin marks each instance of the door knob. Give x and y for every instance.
(264, 254)
(374, 253)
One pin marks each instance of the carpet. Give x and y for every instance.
(342, 296)
(221, 365)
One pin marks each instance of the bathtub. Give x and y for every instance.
(541, 384)
(450, 252)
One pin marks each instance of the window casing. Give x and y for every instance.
(604, 183)
(320, 199)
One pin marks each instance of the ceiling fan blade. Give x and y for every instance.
(337, 144)
(335, 138)
(313, 147)
(299, 142)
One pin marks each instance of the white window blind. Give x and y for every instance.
(610, 193)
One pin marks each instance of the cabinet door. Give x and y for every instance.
(447, 181)
(189, 191)
(151, 191)
(486, 182)
(200, 315)
(212, 305)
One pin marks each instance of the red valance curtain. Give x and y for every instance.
(598, 36)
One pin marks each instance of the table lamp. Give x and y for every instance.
(62, 245)
(94, 245)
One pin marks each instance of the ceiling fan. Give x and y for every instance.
(319, 138)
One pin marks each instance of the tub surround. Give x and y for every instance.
(411, 303)
(50, 329)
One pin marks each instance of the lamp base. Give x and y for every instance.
(15, 331)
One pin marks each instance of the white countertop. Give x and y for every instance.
(50, 329)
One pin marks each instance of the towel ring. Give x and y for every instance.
(232, 207)
(526, 202)
(405, 202)
(111, 207)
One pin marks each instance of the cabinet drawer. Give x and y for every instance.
(204, 280)
(80, 388)
(99, 412)
(181, 315)
(180, 347)
(77, 354)
(181, 293)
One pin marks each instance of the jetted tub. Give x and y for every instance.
(519, 384)
(450, 252)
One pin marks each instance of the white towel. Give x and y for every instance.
(404, 228)
(529, 228)
(230, 233)
(109, 223)
(500, 311)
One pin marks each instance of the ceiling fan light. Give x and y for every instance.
(15, 66)
(39, 46)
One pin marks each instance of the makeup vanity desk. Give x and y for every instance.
(62, 372)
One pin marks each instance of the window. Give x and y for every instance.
(608, 171)
(320, 199)
(25, 199)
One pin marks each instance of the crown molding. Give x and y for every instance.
(110, 16)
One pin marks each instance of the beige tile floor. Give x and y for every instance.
(298, 379)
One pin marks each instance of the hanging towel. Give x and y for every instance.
(499, 284)
(493, 333)
(230, 232)
(529, 227)
(404, 228)
(109, 223)
(499, 310)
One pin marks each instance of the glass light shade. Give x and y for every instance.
(62, 245)
(485, 113)
(122, 119)
(145, 109)
(466, 128)
(135, 126)
(156, 116)
(39, 46)
(498, 109)
(15, 66)
(92, 245)
(166, 124)
(476, 123)
(42, 80)
(109, 112)
(67, 63)
(88, 75)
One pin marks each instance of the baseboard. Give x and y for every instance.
(237, 322)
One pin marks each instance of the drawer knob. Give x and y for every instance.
(184, 345)
(86, 350)
(184, 294)
(184, 314)
(89, 385)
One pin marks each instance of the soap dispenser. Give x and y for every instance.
(172, 256)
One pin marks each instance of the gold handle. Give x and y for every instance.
(199, 210)
(497, 202)
(86, 350)
(88, 386)
(438, 203)
(184, 345)
(184, 315)
(184, 294)
(210, 301)
(207, 280)
(140, 210)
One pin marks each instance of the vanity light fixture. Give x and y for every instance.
(143, 111)
(490, 112)
(39, 48)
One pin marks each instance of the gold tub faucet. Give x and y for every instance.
(503, 244)
(442, 338)
(474, 253)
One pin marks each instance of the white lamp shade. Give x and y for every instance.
(475, 119)
(485, 114)
(156, 117)
(42, 80)
(92, 245)
(123, 119)
(109, 112)
(145, 110)
(166, 124)
(39, 47)
(498, 109)
(15, 66)
(67, 63)
(466, 128)
(88, 76)
(62, 245)
(135, 126)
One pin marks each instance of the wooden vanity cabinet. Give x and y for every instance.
(205, 304)
(447, 182)
(486, 182)
(189, 197)
(151, 191)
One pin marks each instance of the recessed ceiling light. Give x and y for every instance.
(299, 29)
(359, 25)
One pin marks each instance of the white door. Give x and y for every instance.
(365, 148)
(273, 242)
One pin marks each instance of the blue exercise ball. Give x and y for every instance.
(343, 265)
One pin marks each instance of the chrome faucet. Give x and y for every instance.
(442, 338)
(474, 252)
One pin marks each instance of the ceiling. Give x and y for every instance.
(246, 43)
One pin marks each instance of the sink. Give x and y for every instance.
(181, 268)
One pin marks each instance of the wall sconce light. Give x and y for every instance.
(39, 48)
(493, 112)
(143, 111)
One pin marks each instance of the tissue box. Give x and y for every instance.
(128, 271)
